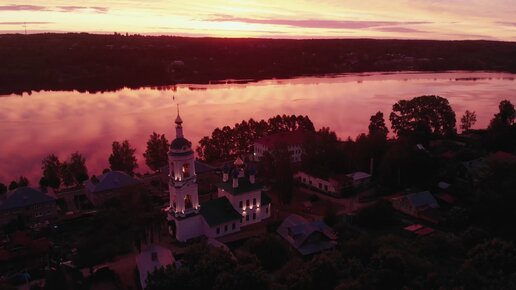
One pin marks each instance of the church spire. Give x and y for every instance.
(179, 123)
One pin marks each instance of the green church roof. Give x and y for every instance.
(218, 211)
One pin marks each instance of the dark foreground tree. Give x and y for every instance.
(3, 189)
(423, 117)
(201, 266)
(270, 251)
(377, 126)
(13, 185)
(23, 181)
(74, 171)
(51, 167)
(322, 153)
(249, 277)
(122, 158)
(501, 131)
(490, 265)
(468, 120)
(156, 152)
(277, 171)
(506, 114)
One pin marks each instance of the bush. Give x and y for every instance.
(272, 226)
(270, 250)
(378, 215)
(330, 215)
(313, 198)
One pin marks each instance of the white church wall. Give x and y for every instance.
(189, 228)
(222, 229)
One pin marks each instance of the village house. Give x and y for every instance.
(109, 185)
(360, 179)
(28, 204)
(305, 236)
(151, 259)
(332, 185)
(293, 141)
(335, 185)
(421, 205)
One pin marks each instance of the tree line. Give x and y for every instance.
(88, 62)
(413, 121)
(228, 142)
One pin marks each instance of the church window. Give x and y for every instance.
(320, 185)
(254, 215)
(241, 204)
(186, 170)
(233, 226)
(225, 228)
(247, 217)
(266, 209)
(247, 203)
(188, 202)
(217, 230)
(254, 201)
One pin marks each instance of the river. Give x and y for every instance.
(61, 122)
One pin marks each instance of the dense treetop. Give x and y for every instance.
(229, 142)
(122, 157)
(427, 116)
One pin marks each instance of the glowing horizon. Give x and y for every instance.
(404, 19)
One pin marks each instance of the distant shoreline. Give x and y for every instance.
(200, 85)
(97, 63)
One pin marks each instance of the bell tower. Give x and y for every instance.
(182, 184)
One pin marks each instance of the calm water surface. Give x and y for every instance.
(32, 126)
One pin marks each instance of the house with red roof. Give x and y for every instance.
(294, 142)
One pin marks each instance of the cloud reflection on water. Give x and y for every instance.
(64, 122)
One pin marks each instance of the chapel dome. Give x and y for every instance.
(180, 144)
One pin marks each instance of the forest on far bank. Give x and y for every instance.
(94, 62)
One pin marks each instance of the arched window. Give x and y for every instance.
(186, 170)
(188, 202)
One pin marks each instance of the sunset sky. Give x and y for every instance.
(418, 19)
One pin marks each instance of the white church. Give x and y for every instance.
(240, 200)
